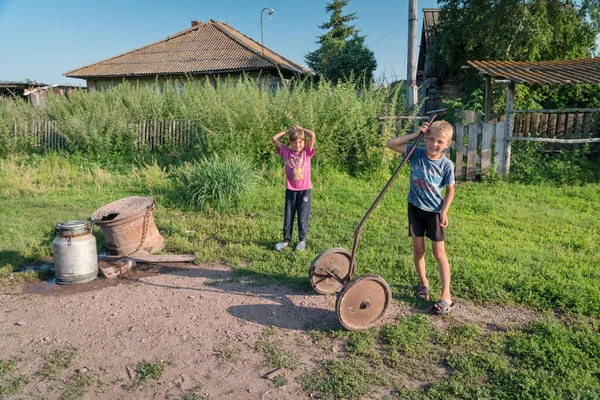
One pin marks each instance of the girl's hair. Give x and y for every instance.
(295, 133)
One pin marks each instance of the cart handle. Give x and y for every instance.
(358, 230)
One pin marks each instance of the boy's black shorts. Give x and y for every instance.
(425, 223)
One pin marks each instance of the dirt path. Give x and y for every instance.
(204, 325)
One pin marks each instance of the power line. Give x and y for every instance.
(388, 34)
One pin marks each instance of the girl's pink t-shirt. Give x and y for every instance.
(297, 167)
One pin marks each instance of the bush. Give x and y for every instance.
(530, 165)
(350, 136)
(219, 182)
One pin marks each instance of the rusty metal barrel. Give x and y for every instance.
(128, 226)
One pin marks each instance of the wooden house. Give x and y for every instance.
(431, 85)
(205, 50)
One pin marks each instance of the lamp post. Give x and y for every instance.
(270, 12)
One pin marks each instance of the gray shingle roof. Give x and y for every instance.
(210, 47)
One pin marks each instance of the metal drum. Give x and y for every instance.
(128, 226)
(75, 254)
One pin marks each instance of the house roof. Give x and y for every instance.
(431, 17)
(563, 72)
(24, 85)
(205, 48)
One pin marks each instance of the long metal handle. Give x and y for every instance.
(358, 230)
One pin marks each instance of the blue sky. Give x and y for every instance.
(42, 39)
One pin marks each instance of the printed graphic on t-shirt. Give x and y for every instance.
(425, 180)
(296, 165)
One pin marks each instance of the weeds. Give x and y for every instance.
(342, 378)
(233, 114)
(269, 331)
(57, 361)
(146, 370)
(77, 386)
(14, 386)
(6, 366)
(280, 381)
(276, 355)
(227, 353)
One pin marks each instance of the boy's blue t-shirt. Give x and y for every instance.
(427, 179)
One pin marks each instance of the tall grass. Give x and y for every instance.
(233, 115)
(218, 182)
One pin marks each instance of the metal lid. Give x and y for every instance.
(72, 228)
(63, 226)
(122, 209)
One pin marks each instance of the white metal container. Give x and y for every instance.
(75, 254)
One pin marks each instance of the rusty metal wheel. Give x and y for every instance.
(330, 270)
(363, 302)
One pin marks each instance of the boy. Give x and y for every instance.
(430, 172)
(298, 184)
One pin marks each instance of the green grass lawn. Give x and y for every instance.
(508, 244)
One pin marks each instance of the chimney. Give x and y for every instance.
(196, 23)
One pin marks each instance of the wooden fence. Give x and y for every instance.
(156, 134)
(150, 135)
(559, 130)
(476, 148)
(40, 135)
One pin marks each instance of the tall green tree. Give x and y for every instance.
(342, 52)
(514, 30)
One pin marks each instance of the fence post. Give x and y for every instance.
(472, 150)
(459, 145)
(499, 147)
(508, 126)
(486, 147)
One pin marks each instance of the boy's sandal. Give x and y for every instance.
(442, 307)
(422, 293)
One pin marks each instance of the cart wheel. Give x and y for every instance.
(330, 270)
(363, 302)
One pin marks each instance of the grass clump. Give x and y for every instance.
(268, 331)
(57, 361)
(219, 182)
(146, 370)
(342, 379)
(77, 386)
(277, 356)
(6, 366)
(227, 353)
(13, 386)
(362, 343)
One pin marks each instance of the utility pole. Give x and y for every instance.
(411, 76)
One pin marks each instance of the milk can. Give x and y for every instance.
(75, 254)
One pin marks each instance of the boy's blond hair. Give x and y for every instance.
(295, 133)
(443, 127)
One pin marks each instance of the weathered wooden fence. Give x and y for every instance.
(559, 130)
(151, 135)
(476, 148)
(40, 134)
(156, 134)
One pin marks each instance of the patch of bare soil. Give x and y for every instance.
(184, 315)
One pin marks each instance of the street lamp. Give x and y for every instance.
(270, 12)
